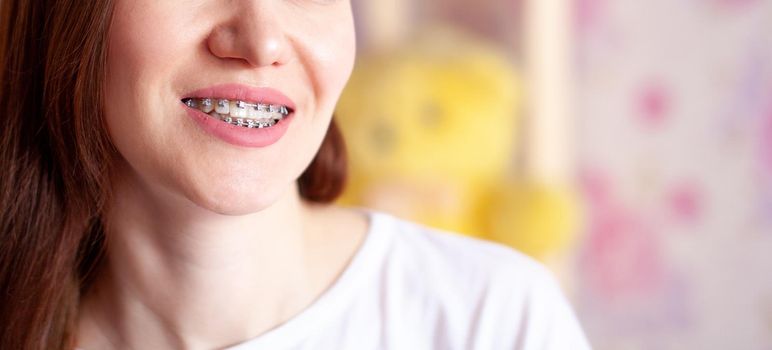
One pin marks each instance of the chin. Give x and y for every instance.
(236, 201)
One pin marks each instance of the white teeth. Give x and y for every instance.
(206, 105)
(238, 109)
(241, 113)
(253, 112)
(222, 107)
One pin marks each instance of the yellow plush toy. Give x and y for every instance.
(535, 218)
(431, 132)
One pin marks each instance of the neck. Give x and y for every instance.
(181, 276)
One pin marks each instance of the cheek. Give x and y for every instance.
(138, 101)
(334, 55)
(329, 58)
(142, 37)
(145, 46)
(142, 55)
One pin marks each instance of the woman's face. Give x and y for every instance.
(287, 53)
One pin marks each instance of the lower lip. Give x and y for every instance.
(239, 135)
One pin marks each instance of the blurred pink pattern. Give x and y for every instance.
(654, 104)
(675, 146)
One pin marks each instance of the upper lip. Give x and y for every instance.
(240, 92)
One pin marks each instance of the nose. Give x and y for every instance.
(252, 33)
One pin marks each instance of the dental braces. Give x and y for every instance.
(224, 103)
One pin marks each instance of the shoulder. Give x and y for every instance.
(490, 295)
(456, 257)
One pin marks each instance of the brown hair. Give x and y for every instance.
(55, 156)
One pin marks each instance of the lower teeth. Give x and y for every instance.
(245, 123)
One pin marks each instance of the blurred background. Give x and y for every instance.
(626, 144)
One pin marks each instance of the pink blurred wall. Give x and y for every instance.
(675, 152)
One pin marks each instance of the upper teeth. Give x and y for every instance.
(248, 114)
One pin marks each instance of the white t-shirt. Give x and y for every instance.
(410, 287)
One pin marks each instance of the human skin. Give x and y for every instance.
(209, 243)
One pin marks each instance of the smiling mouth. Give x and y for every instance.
(246, 114)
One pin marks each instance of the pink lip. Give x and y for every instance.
(238, 135)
